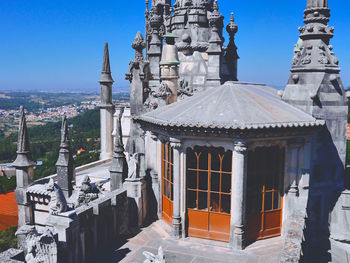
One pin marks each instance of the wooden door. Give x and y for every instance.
(208, 181)
(167, 183)
(264, 193)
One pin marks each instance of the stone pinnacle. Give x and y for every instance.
(24, 158)
(106, 67)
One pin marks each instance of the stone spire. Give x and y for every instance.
(65, 163)
(138, 45)
(231, 54)
(24, 174)
(106, 75)
(106, 107)
(118, 170)
(24, 158)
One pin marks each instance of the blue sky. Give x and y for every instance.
(58, 44)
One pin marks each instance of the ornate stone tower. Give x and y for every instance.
(315, 87)
(24, 173)
(198, 27)
(65, 163)
(106, 107)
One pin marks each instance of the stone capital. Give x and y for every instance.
(154, 136)
(176, 144)
(240, 147)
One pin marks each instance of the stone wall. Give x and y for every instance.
(85, 233)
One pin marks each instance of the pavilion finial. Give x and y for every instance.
(24, 158)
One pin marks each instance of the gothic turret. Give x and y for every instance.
(65, 163)
(24, 173)
(106, 107)
(315, 87)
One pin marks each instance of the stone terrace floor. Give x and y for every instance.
(191, 250)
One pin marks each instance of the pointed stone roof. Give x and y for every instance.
(65, 147)
(24, 157)
(233, 106)
(106, 75)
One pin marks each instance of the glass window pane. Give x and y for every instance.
(226, 183)
(203, 181)
(191, 199)
(171, 155)
(192, 179)
(215, 182)
(276, 201)
(203, 158)
(214, 202)
(172, 192)
(202, 201)
(268, 201)
(191, 159)
(226, 203)
(167, 189)
(171, 178)
(227, 162)
(215, 161)
(269, 181)
(164, 187)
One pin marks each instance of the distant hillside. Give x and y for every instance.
(45, 140)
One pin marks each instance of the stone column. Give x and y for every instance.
(238, 196)
(293, 169)
(160, 174)
(176, 231)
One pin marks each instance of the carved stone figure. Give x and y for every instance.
(184, 89)
(58, 203)
(133, 165)
(151, 258)
(88, 192)
(41, 248)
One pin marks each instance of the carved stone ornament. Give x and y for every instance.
(58, 203)
(151, 258)
(138, 45)
(163, 92)
(133, 167)
(41, 248)
(184, 89)
(88, 192)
